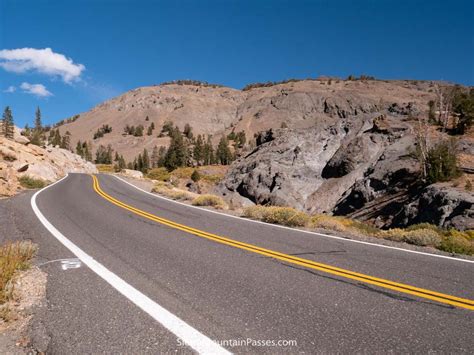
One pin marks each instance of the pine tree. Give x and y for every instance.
(66, 140)
(7, 124)
(161, 156)
(154, 157)
(188, 131)
(145, 161)
(87, 151)
(79, 150)
(37, 136)
(198, 151)
(176, 154)
(223, 153)
(208, 152)
(38, 123)
(139, 162)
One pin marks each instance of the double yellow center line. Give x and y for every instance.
(387, 284)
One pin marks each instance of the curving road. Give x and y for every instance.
(156, 274)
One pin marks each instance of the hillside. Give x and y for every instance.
(218, 110)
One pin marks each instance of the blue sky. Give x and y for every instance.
(124, 44)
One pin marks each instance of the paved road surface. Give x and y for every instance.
(229, 293)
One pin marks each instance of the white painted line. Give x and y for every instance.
(178, 327)
(299, 230)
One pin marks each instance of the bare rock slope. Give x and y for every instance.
(18, 158)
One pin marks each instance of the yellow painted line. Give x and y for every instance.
(387, 284)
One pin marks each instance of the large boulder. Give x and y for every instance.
(442, 205)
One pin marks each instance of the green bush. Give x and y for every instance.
(195, 176)
(441, 162)
(160, 174)
(459, 245)
(31, 183)
(209, 200)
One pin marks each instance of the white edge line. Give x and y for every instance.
(297, 230)
(189, 335)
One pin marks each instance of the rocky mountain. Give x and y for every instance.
(19, 158)
(219, 110)
(323, 146)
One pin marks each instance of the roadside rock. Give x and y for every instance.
(132, 173)
(17, 159)
(443, 206)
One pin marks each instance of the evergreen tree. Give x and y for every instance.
(154, 157)
(38, 123)
(139, 162)
(103, 155)
(223, 153)
(56, 137)
(7, 123)
(66, 140)
(208, 152)
(198, 151)
(176, 154)
(37, 135)
(161, 156)
(138, 131)
(188, 131)
(87, 151)
(121, 163)
(146, 161)
(79, 149)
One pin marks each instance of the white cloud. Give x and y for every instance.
(35, 89)
(44, 61)
(10, 89)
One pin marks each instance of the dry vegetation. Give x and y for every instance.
(424, 234)
(14, 257)
(29, 182)
(105, 168)
(168, 190)
(209, 200)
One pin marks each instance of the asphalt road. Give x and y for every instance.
(232, 294)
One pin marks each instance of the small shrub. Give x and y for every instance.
(168, 191)
(209, 200)
(468, 186)
(328, 222)
(442, 162)
(459, 245)
(160, 174)
(286, 216)
(105, 168)
(422, 237)
(195, 176)
(31, 183)
(425, 225)
(395, 234)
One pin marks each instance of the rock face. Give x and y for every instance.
(359, 167)
(311, 169)
(18, 159)
(441, 205)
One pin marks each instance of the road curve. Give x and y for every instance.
(237, 296)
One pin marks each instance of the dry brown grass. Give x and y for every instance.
(286, 216)
(14, 257)
(105, 168)
(424, 234)
(169, 191)
(209, 200)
